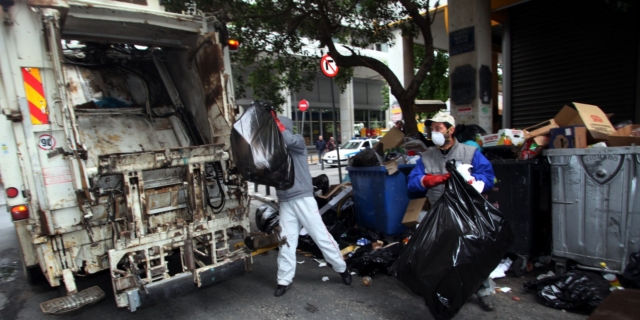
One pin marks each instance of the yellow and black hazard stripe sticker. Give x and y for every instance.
(35, 95)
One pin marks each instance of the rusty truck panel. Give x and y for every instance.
(128, 168)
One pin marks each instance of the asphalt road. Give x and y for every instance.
(251, 296)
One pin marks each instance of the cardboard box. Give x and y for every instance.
(596, 122)
(623, 137)
(391, 166)
(413, 211)
(540, 129)
(392, 139)
(500, 139)
(568, 137)
(542, 140)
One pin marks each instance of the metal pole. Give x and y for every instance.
(335, 136)
(323, 136)
(302, 130)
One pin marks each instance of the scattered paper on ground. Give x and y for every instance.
(321, 262)
(500, 270)
(325, 278)
(300, 262)
(503, 289)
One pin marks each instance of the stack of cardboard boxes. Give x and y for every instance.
(582, 127)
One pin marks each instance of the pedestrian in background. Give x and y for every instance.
(400, 125)
(321, 146)
(331, 145)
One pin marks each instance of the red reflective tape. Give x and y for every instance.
(37, 113)
(30, 80)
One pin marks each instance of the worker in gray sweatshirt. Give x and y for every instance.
(299, 209)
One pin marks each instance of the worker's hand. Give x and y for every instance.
(432, 180)
(275, 118)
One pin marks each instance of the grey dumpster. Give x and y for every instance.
(595, 206)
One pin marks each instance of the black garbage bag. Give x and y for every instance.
(321, 182)
(573, 290)
(454, 249)
(259, 150)
(368, 262)
(306, 243)
(631, 274)
(267, 218)
(365, 158)
(354, 234)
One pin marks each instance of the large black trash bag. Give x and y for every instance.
(365, 158)
(631, 275)
(267, 218)
(259, 150)
(454, 249)
(321, 182)
(573, 290)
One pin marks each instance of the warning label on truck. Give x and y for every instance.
(56, 175)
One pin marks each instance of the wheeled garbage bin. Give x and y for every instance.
(380, 200)
(522, 193)
(595, 206)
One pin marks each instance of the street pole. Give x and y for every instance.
(335, 136)
(302, 129)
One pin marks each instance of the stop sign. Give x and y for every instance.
(303, 105)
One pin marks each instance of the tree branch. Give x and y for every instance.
(425, 28)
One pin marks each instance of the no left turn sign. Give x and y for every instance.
(328, 66)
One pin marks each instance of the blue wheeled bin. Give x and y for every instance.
(380, 199)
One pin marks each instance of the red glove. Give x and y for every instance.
(275, 118)
(432, 180)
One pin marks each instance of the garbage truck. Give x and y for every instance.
(115, 148)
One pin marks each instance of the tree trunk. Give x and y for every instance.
(408, 115)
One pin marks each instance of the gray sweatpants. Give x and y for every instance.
(295, 214)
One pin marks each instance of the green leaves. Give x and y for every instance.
(281, 42)
(436, 84)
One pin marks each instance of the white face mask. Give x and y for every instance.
(437, 138)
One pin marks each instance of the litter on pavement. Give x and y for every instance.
(500, 270)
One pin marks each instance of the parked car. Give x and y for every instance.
(347, 151)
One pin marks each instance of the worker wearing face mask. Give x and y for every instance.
(429, 174)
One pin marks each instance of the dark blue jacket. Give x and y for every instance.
(321, 145)
(482, 170)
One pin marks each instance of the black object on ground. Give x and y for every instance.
(321, 182)
(574, 290)
(368, 262)
(267, 218)
(631, 275)
(454, 249)
(259, 150)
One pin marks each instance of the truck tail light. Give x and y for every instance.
(12, 192)
(233, 45)
(20, 212)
